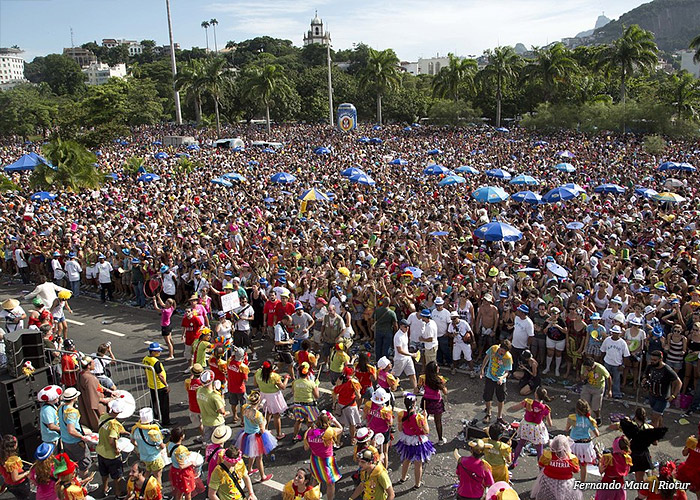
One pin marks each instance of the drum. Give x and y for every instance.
(125, 445)
(128, 401)
(196, 461)
(92, 439)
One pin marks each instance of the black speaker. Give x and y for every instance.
(22, 346)
(20, 410)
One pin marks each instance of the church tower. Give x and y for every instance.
(316, 33)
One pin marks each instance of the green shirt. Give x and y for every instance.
(596, 375)
(269, 387)
(110, 430)
(338, 361)
(210, 402)
(303, 390)
(385, 319)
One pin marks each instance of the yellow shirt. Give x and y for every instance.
(289, 493)
(222, 482)
(112, 429)
(151, 492)
(153, 361)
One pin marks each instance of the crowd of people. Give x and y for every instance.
(380, 286)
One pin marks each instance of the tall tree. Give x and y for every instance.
(213, 23)
(380, 75)
(683, 93)
(60, 72)
(205, 25)
(502, 67)
(634, 50)
(189, 81)
(459, 73)
(261, 83)
(215, 78)
(552, 66)
(695, 44)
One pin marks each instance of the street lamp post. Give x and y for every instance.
(330, 82)
(173, 65)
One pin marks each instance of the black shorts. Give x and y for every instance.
(285, 357)
(490, 387)
(166, 331)
(241, 339)
(111, 467)
(235, 398)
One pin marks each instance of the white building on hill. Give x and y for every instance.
(99, 73)
(11, 68)
(688, 64)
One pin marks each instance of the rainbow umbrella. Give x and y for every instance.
(668, 197)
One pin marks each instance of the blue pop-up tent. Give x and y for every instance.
(26, 162)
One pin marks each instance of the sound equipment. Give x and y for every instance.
(22, 346)
(20, 410)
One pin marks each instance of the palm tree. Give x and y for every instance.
(7, 185)
(380, 75)
(214, 80)
(503, 65)
(73, 168)
(213, 23)
(634, 50)
(459, 73)
(189, 80)
(552, 66)
(205, 25)
(261, 83)
(684, 91)
(695, 44)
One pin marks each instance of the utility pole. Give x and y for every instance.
(330, 82)
(173, 65)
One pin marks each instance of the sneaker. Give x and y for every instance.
(254, 357)
(442, 441)
(92, 487)
(545, 371)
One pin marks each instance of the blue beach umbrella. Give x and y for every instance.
(161, 156)
(502, 129)
(377, 127)
(560, 193)
(157, 143)
(253, 163)
(148, 178)
(524, 179)
(363, 140)
(322, 151)
(645, 191)
(407, 129)
(416, 272)
(313, 194)
(540, 143)
(686, 167)
(363, 179)
(269, 150)
(269, 200)
(349, 172)
(439, 233)
(182, 155)
(575, 188)
(565, 167)
(375, 140)
(192, 147)
(526, 197)
(398, 161)
(283, 178)
(434, 152)
(566, 154)
(498, 231)
(609, 188)
(498, 173)
(466, 169)
(451, 180)
(233, 176)
(238, 149)
(575, 225)
(436, 170)
(490, 194)
(42, 196)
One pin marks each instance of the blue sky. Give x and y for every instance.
(414, 28)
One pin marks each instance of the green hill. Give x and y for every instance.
(673, 22)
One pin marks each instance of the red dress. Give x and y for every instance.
(689, 471)
(183, 480)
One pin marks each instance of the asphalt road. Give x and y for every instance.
(130, 329)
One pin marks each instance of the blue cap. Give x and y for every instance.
(503, 294)
(44, 451)
(524, 309)
(644, 289)
(263, 281)
(164, 268)
(56, 254)
(126, 251)
(135, 261)
(282, 279)
(101, 256)
(228, 273)
(426, 313)
(155, 347)
(281, 272)
(595, 316)
(298, 306)
(197, 272)
(71, 254)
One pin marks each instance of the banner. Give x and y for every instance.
(230, 301)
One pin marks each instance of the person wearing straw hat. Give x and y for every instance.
(49, 398)
(109, 460)
(192, 384)
(147, 437)
(72, 436)
(473, 472)
(212, 455)
(13, 315)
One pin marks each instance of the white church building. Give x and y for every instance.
(316, 33)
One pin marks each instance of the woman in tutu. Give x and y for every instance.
(182, 476)
(614, 467)
(271, 386)
(254, 440)
(689, 471)
(532, 427)
(319, 441)
(413, 444)
(583, 428)
(433, 401)
(557, 468)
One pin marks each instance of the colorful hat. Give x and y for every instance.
(63, 465)
(44, 451)
(363, 434)
(207, 377)
(524, 309)
(49, 393)
(64, 294)
(380, 396)
(254, 397)
(426, 313)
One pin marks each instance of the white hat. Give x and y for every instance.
(206, 377)
(649, 310)
(454, 314)
(221, 434)
(116, 406)
(379, 439)
(70, 394)
(636, 321)
(438, 301)
(615, 329)
(380, 396)
(383, 362)
(616, 300)
(146, 415)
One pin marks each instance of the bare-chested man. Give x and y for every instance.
(487, 324)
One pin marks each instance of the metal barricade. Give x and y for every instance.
(125, 375)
